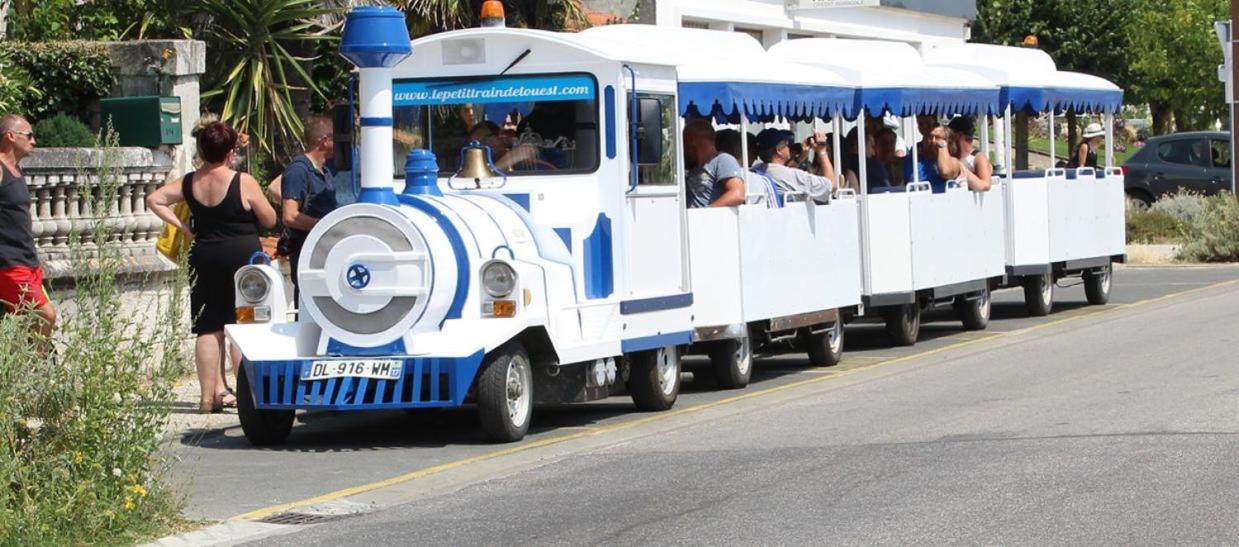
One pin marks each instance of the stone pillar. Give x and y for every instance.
(167, 68)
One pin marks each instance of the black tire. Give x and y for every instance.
(505, 393)
(1139, 201)
(732, 361)
(261, 427)
(1097, 285)
(1038, 294)
(973, 312)
(654, 378)
(903, 324)
(825, 347)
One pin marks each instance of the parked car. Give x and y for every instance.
(1196, 162)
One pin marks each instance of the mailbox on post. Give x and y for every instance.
(143, 121)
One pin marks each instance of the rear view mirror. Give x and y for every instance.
(649, 131)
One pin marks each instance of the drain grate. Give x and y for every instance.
(294, 518)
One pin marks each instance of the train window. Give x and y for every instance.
(533, 124)
(662, 173)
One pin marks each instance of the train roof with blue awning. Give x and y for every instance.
(726, 74)
(890, 76)
(1028, 78)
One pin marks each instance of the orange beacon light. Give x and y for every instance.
(492, 14)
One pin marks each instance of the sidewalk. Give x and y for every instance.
(184, 417)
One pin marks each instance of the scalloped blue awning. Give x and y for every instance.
(1033, 99)
(724, 101)
(910, 101)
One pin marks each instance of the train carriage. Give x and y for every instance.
(1060, 222)
(744, 259)
(920, 247)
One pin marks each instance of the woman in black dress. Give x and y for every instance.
(226, 208)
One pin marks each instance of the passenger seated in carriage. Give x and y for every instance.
(758, 188)
(727, 141)
(875, 172)
(774, 149)
(715, 179)
(890, 154)
(974, 166)
(936, 165)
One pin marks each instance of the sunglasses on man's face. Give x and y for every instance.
(27, 134)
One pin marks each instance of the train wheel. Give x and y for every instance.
(505, 393)
(1038, 294)
(973, 312)
(654, 381)
(825, 347)
(261, 427)
(903, 324)
(1097, 285)
(732, 361)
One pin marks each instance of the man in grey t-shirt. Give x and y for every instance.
(715, 179)
(774, 150)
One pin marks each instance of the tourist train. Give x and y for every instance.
(522, 234)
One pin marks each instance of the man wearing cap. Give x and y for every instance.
(715, 179)
(774, 149)
(975, 167)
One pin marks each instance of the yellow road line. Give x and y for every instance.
(265, 512)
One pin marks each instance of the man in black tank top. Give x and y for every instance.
(21, 275)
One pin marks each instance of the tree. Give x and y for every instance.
(1082, 36)
(1174, 62)
(255, 67)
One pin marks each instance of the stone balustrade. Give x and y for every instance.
(65, 199)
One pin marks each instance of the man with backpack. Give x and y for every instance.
(306, 191)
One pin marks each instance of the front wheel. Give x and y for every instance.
(903, 324)
(825, 346)
(732, 361)
(973, 312)
(261, 427)
(505, 393)
(1038, 294)
(654, 380)
(1097, 285)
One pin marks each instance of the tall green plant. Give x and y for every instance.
(260, 51)
(80, 430)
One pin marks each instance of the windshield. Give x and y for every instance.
(532, 124)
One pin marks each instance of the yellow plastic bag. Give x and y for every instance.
(172, 243)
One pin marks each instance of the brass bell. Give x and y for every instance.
(475, 164)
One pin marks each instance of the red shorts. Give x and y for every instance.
(22, 287)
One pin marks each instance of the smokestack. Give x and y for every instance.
(375, 40)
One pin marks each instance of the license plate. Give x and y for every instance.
(381, 369)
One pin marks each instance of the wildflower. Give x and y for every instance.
(116, 398)
(116, 472)
(130, 505)
(77, 457)
(138, 490)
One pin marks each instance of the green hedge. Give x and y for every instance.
(67, 77)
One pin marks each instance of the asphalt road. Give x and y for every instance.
(1096, 424)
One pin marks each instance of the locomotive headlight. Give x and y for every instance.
(253, 286)
(498, 279)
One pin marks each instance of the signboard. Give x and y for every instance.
(507, 90)
(819, 4)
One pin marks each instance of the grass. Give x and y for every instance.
(1062, 149)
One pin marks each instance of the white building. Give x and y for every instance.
(918, 22)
